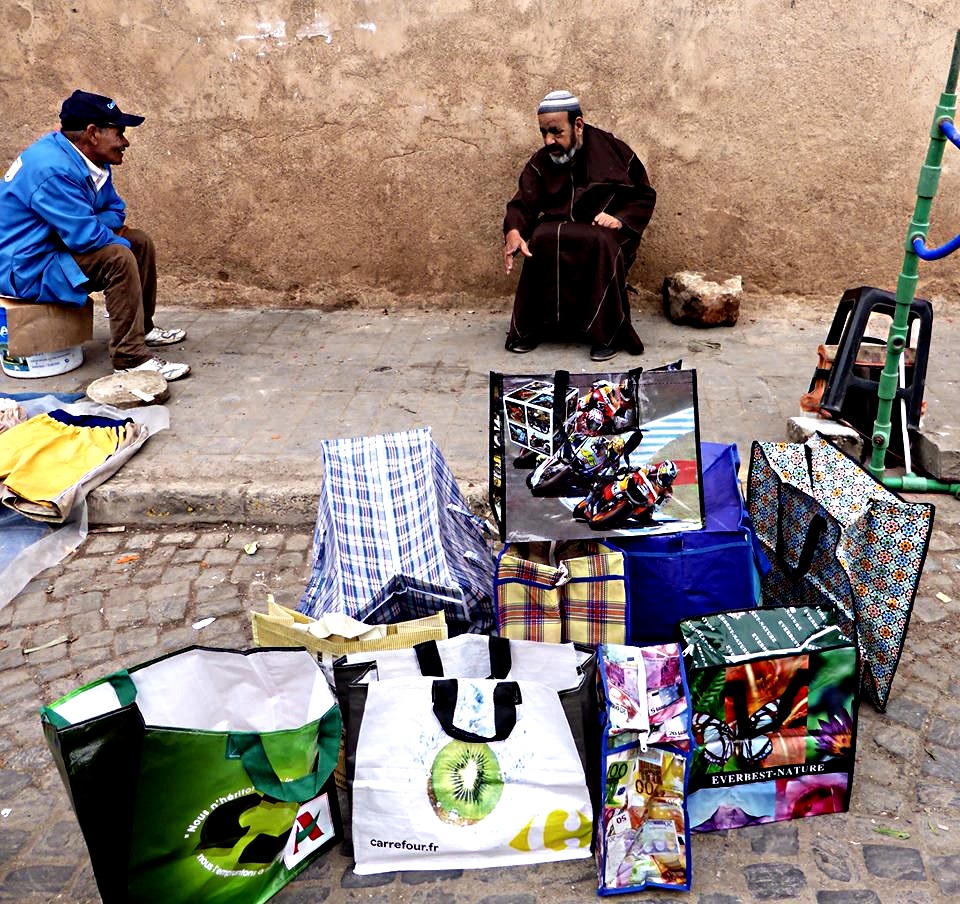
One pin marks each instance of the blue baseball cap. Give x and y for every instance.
(82, 109)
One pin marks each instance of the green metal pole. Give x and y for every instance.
(907, 283)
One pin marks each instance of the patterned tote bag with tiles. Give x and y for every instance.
(836, 536)
(559, 592)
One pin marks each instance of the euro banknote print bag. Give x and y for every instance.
(774, 694)
(643, 837)
(835, 535)
(205, 775)
(454, 773)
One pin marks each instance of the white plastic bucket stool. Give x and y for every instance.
(43, 364)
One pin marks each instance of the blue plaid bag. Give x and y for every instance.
(395, 538)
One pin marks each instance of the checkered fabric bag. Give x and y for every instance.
(395, 539)
(575, 591)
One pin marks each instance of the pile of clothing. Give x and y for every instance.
(46, 459)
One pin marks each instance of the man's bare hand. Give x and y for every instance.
(606, 221)
(512, 243)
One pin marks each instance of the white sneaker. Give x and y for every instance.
(169, 370)
(157, 336)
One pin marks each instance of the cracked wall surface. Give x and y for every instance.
(332, 149)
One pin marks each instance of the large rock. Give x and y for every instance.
(690, 299)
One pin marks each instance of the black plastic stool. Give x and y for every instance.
(851, 390)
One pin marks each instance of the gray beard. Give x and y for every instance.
(564, 158)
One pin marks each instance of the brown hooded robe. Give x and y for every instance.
(576, 280)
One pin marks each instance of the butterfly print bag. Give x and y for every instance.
(774, 694)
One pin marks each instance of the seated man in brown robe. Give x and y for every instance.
(577, 218)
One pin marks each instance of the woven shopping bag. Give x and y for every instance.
(566, 592)
(683, 575)
(395, 539)
(283, 627)
(836, 536)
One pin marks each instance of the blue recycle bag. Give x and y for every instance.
(678, 576)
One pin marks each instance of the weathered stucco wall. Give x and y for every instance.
(315, 149)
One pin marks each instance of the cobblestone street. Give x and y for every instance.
(128, 596)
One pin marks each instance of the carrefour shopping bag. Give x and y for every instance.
(458, 773)
(568, 669)
(643, 836)
(775, 694)
(204, 775)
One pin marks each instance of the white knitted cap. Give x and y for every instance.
(559, 101)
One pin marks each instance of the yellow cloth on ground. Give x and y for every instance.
(41, 457)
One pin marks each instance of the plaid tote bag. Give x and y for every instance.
(574, 591)
(395, 539)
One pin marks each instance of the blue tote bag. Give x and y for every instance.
(685, 575)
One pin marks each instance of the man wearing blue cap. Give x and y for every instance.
(582, 205)
(62, 231)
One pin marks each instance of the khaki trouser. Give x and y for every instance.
(128, 279)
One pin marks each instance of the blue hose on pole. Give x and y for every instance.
(935, 254)
(951, 131)
(919, 246)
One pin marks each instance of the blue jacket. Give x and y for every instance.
(48, 209)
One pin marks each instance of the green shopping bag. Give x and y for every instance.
(203, 775)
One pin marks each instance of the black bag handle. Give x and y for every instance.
(431, 666)
(561, 382)
(818, 526)
(506, 698)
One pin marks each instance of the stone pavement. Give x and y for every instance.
(268, 385)
(241, 463)
(127, 597)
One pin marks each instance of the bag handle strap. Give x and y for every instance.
(122, 684)
(818, 526)
(561, 382)
(506, 698)
(247, 746)
(431, 666)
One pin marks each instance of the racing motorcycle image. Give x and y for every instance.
(580, 462)
(629, 494)
(579, 454)
(606, 408)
